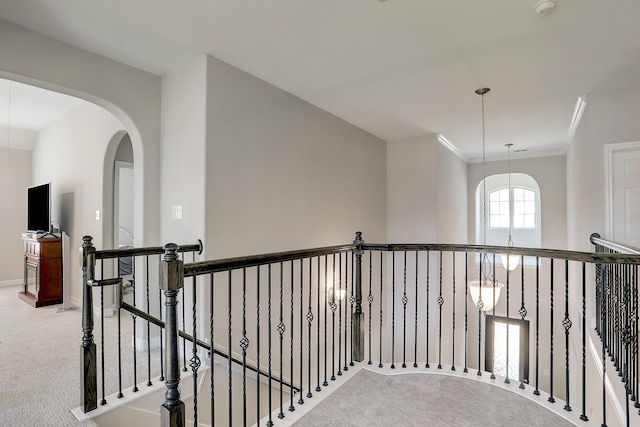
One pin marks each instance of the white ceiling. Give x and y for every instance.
(398, 69)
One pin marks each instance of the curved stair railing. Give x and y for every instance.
(301, 319)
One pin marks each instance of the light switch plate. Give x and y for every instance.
(176, 212)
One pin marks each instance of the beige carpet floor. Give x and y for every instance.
(40, 362)
(372, 399)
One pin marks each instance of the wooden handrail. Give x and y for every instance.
(151, 250)
(618, 247)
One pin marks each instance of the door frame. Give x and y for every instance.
(609, 151)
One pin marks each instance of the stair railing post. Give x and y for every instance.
(89, 386)
(357, 318)
(172, 411)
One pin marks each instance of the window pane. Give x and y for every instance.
(530, 207)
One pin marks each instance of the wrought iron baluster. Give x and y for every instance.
(257, 343)
(161, 330)
(269, 345)
(194, 363)
(212, 351)
(230, 345)
(370, 300)
(333, 319)
(479, 305)
(404, 311)
(393, 309)
(339, 313)
(149, 383)
(380, 305)
(281, 329)
(523, 312)
(291, 323)
(184, 328)
(415, 320)
(506, 380)
(453, 305)
(120, 395)
(537, 391)
(604, 313)
(326, 303)
(244, 344)
(440, 304)
(318, 328)
(466, 317)
(103, 401)
(309, 321)
(348, 310)
(583, 416)
(426, 365)
(566, 323)
(301, 400)
(551, 399)
(493, 318)
(636, 366)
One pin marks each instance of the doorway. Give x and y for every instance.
(622, 166)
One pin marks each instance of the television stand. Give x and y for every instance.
(42, 270)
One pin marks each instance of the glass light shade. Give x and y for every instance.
(485, 289)
(339, 294)
(510, 262)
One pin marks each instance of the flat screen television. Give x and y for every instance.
(39, 208)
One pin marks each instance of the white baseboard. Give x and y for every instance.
(7, 283)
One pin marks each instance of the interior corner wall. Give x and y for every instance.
(282, 174)
(610, 117)
(550, 174)
(452, 203)
(184, 129)
(15, 178)
(70, 155)
(412, 191)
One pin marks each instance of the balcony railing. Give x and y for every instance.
(296, 321)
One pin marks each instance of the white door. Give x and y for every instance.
(623, 164)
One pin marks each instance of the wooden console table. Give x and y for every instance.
(42, 271)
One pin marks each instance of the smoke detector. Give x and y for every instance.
(544, 7)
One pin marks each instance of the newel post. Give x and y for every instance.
(171, 280)
(357, 317)
(89, 385)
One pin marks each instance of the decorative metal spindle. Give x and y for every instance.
(309, 321)
(566, 323)
(301, 400)
(479, 305)
(161, 333)
(370, 299)
(583, 416)
(281, 330)
(523, 310)
(149, 383)
(333, 319)
(493, 318)
(103, 401)
(506, 380)
(453, 305)
(551, 399)
(257, 342)
(440, 303)
(184, 328)
(134, 318)
(120, 395)
(537, 391)
(212, 348)
(404, 313)
(466, 297)
(636, 365)
(415, 321)
(380, 305)
(326, 303)
(291, 407)
(194, 363)
(604, 314)
(348, 313)
(393, 309)
(269, 345)
(244, 344)
(318, 328)
(230, 345)
(426, 365)
(339, 314)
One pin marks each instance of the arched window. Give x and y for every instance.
(518, 207)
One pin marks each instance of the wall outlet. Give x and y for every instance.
(176, 212)
(98, 215)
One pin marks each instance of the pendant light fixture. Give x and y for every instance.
(485, 290)
(510, 261)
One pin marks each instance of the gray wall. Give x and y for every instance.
(15, 178)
